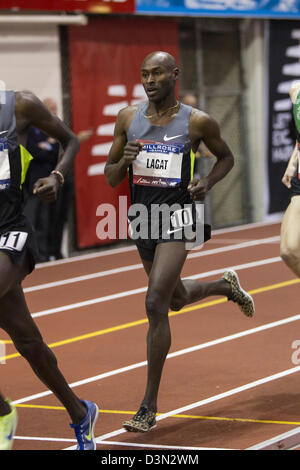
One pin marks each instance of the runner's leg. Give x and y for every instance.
(188, 291)
(163, 279)
(16, 320)
(290, 236)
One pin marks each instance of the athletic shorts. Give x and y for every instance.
(295, 183)
(147, 248)
(19, 240)
(183, 225)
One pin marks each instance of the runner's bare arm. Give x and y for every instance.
(291, 169)
(292, 166)
(206, 128)
(30, 111)
(122, 153)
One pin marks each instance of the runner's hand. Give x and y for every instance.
(46, 188)
(198, 189)
(286, 180)
(288, 175)
(131, 151)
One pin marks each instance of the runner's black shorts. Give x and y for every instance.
(184, 225)
(19, 241)
(147, 248)
(295, 186)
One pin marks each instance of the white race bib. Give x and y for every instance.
(13, 241)
(158, 165)
(4, 164)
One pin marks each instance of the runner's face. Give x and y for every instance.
(157, 80)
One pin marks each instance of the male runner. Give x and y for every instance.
(290, 234)
(140, 132)
(18, 251)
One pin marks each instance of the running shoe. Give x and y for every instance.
(238, 295)
(84, 430)
(142, 421)
(8, 424)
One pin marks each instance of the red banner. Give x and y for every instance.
(105, 60)
(89, 6)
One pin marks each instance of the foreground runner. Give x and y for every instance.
(153, 141)
(290, 227)
(18, 253)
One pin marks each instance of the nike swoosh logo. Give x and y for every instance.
(3, 132)
(166, 139)
(89, 435)
(175, 230)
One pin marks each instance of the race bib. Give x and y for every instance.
(182, 218)
(13, 241)
(158, 165)
(4, 164)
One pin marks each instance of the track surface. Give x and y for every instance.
(229, 382)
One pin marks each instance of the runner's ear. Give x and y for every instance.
(175, 73)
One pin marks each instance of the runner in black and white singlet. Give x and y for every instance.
(160, 176)
(16, 238)
(153, 142)
(19, 111)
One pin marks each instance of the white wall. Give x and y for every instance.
(30, 60)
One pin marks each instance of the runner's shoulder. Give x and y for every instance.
(125, 116)
(128, 112)
(25, 98)
(201, 122)
(199, 116)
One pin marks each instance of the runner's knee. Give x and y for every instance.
(290, 253)
(157, 303)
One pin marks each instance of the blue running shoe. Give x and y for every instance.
(84, 430)
(8, 424)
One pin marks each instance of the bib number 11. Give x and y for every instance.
(14, 241)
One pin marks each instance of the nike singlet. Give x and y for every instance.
(164, 167)
(14, 162)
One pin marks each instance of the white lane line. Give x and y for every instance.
(231, 241)
(140, 290)
(156, 446)
(206, 401)
(86, 277)
(115, 443)
(115, 251)
(86, 303)
(96, 254)
(122, 269)
(287, 440)
(50, 439)
(181, 352)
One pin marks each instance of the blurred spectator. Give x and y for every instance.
(45, 151)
